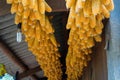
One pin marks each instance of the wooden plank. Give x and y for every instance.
(29, 72)
(57, 6)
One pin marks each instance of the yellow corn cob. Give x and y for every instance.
(20, 7)
(87, 20)
(41, 7)
(48, 27)
(78, 19)
(32, 16)
(79, 5)
(100, 24)
(85, 27)
(29, 22)
(15, 1)
(72, 62)
(47, 7)
(14, 8)
(35, 44)
(37, 15)
(87, 8)
(73, 14)
(25, 2)
(30, 42)
(92, 21)
(18, 19)
(35, 5)
(105, 2)
(32, 4)
(81, 16)
(24, 21)
(98, 38)
(42, 19)
(96, 6)
(70, 3)
(31, 32)
(26, 14)
(110, 6)
(70, 21)
(100, 17)
(19, 1)
(105, 11)
(25, 27)
(90, 43)
(10, 1)
(38, 32)
(98, 30)
(52, 38)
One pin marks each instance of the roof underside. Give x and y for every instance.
(8, 32)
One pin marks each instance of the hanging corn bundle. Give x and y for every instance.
(85, 24)
(38, 33)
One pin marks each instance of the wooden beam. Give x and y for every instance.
(30, 72)
(57, 6)
(6, 50)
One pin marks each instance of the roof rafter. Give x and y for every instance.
(56, 5)
(29, 72)
(15, 59)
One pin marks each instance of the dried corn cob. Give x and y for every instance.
(95, 6)
(39, 34)
(10, 1)
(85, 28)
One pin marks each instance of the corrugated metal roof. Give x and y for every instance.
(9, 65)
(8, 32)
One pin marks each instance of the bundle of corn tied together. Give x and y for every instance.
(85, 24)
(39, 34)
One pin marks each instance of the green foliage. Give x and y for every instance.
(2, 69)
